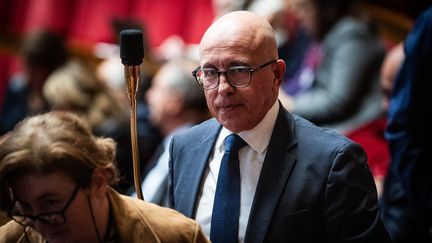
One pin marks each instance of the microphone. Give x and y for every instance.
(132, 54)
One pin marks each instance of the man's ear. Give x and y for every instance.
(279, 71)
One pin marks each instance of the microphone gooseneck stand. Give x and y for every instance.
(132, 53)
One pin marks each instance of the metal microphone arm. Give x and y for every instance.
(132, 53)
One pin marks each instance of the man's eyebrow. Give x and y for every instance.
(208, 66)
(231, 64)
(238, 64)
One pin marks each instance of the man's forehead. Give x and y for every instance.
(226, 55)
(236, 34)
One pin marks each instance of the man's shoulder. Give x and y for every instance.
(308, 132)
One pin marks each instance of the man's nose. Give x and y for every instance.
(224, 84)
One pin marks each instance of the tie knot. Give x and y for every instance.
(234, 143)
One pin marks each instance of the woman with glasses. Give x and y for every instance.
(55, 179)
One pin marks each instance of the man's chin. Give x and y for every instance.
(232, 126)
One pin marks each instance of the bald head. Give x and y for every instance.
(242, 29)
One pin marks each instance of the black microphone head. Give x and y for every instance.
(131, 47)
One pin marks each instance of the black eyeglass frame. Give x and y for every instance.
(44, 217)
(250, 69)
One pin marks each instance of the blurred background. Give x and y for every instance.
(85, 24)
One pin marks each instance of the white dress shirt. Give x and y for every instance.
(251, 160)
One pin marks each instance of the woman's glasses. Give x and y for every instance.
(51, 218)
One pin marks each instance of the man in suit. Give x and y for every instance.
(298, 182)
(175, 103)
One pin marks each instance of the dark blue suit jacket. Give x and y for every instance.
(315, 185)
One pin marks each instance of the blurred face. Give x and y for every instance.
(243, 108)
(159, 99)
(40, 194)
(307, 14)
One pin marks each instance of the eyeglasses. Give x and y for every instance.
(51, 218)
(238, 76)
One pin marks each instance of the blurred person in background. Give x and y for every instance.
(337, 85)
(301, 52)
(41, 52)
(345, 92)
(389, 70)
(75, 87)
(55, 178)
(176, 102)
(371, 136)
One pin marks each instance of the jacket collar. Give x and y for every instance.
(129, 219)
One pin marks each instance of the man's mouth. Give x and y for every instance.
(228, 107)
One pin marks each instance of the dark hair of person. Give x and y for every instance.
(42, 48)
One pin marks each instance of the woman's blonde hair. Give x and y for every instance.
(50, 142)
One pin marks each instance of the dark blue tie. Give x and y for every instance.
(226, 207)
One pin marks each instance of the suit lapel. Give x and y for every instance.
(275, 172)
(194, 174)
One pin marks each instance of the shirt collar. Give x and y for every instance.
(259, 136)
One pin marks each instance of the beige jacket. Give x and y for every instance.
(3, 219)
(136, 221)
